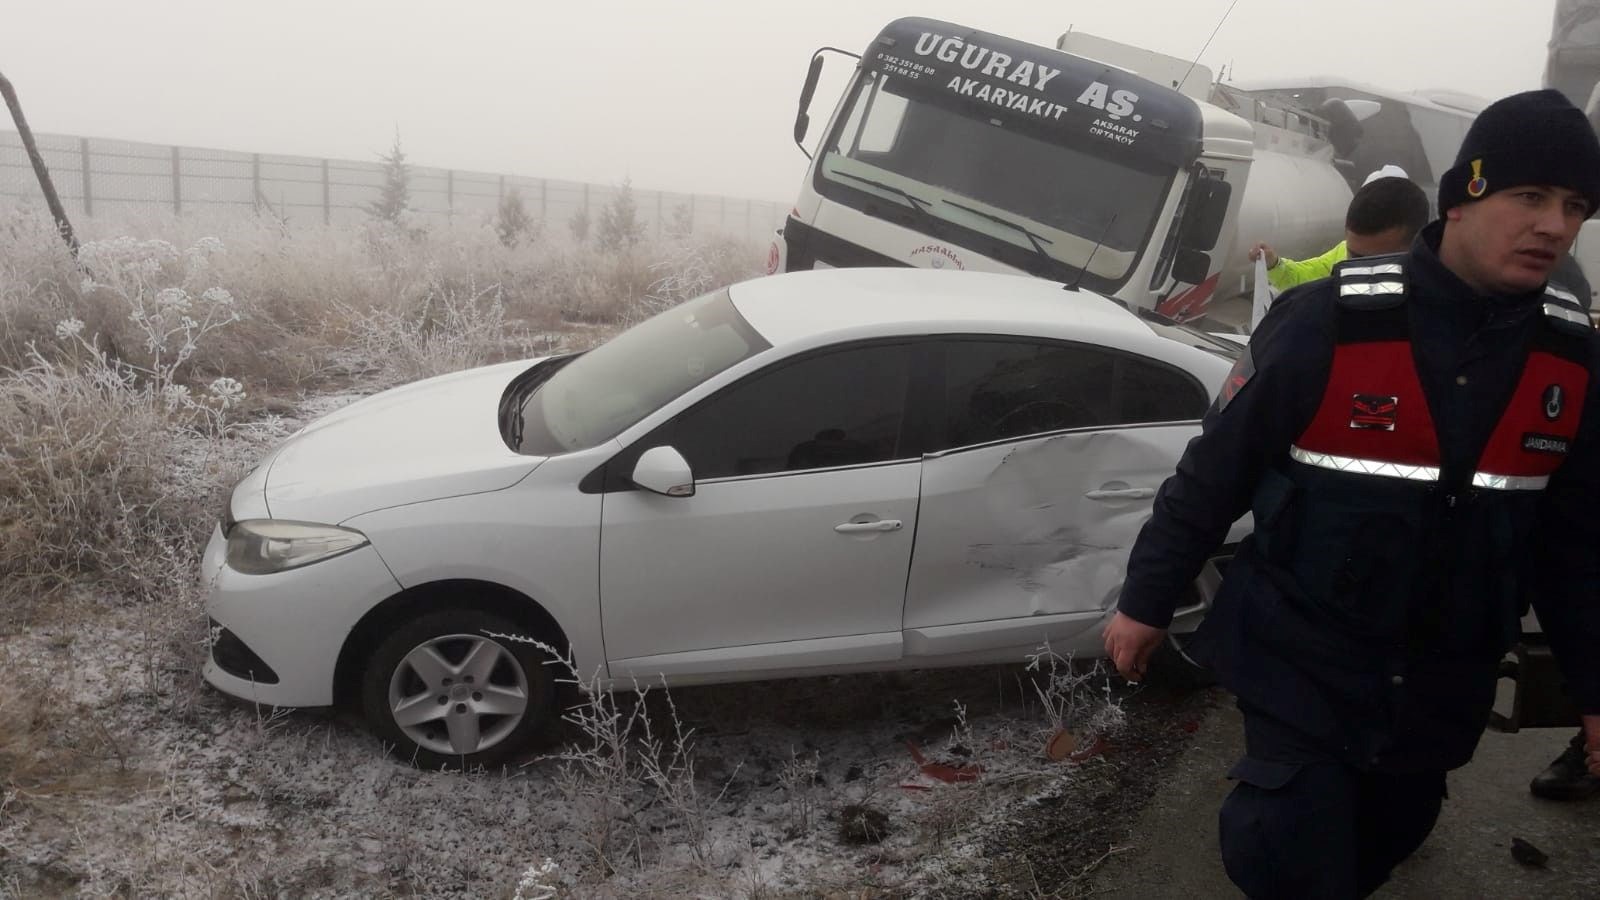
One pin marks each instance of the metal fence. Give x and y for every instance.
(99, 176)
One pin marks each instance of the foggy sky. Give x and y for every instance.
(685, 96)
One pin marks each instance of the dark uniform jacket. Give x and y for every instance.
(1421, 462)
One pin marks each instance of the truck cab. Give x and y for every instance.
(955, 148)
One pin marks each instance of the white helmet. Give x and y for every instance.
(1389, 171)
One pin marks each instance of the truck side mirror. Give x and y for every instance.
(1208, 210)
(1191, 266)
(802, 119)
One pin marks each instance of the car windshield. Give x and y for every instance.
(610, 388)
(1008, 188)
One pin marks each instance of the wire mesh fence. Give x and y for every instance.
(102, 176)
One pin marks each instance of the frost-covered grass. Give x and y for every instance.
(122, 781)
(169, 328)
(138, 383)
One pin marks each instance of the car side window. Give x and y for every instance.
(841, 408)
(1010, 388)
(998, 389)
(1148, 391)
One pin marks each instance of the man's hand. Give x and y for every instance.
(1260, 250)
(1129, 644)
(1591, 733)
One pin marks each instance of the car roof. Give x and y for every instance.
(802, 307)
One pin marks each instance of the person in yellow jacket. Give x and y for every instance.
(1383, 217)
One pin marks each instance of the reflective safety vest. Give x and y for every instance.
(1375, 537)
(1374, 419)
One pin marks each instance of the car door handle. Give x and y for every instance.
(865, 527)
(1124, 494)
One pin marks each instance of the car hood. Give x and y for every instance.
(425, 441)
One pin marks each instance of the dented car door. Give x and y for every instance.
(1024, 537)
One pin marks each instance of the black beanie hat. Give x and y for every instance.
(1531, 138)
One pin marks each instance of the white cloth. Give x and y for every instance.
(1262, 296)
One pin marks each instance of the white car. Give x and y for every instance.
(810, 473)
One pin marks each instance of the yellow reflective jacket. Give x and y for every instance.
(1288, 272)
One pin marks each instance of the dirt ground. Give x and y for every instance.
(123, 780)
(1468, 854)
(808, 789)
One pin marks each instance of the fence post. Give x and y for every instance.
(255, 181)
(177, 182)
(450, 193)
(658, 215)
(327, 211)
(88, 193)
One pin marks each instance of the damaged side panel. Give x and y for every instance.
(1034, 535)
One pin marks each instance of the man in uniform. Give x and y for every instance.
(1418, 439)
(1384, 217)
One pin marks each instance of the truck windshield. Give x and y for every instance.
(1009, 192)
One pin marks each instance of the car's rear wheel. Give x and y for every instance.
(451, 689)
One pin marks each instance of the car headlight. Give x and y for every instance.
(265, 546)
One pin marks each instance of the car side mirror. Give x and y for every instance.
(1191, 266)
(664, 471)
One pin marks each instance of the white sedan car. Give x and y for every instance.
(811, 473)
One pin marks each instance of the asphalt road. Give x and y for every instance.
(1174, 843)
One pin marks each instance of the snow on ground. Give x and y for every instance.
(219, 798)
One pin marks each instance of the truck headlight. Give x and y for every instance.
(265, 546)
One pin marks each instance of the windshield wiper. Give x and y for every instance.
(1033, 239)
(917, 203)
(512, 421)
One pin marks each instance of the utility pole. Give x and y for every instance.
(45, 184)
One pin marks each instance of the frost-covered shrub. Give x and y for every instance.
(88, 437)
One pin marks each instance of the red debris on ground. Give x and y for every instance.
(943, 771)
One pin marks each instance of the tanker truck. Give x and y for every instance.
(1573, 68)
(1573, 64)
(1094, 163)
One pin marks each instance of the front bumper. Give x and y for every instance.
(293, 624)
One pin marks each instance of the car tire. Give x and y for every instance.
(451, 690)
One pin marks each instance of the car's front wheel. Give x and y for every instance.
(456, 689)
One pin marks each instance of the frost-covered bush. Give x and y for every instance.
(88, 435)
(166, 329)
(453, 330)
